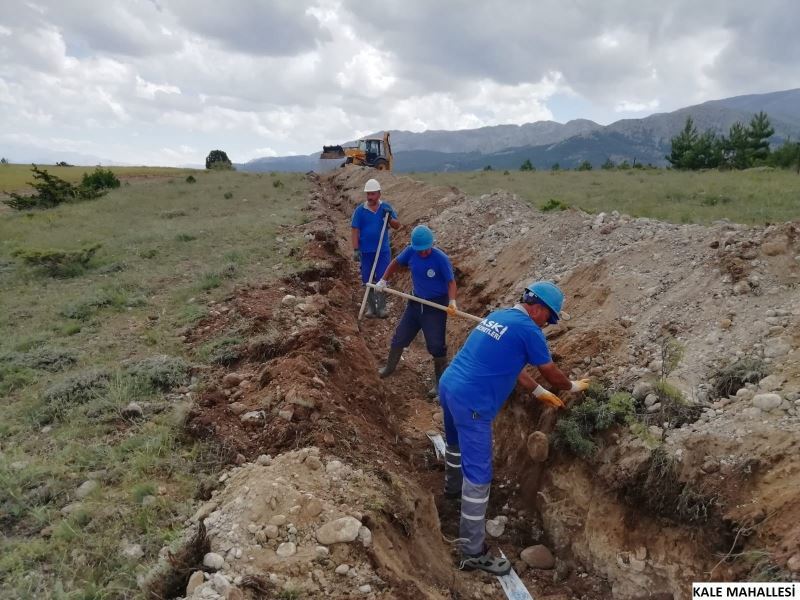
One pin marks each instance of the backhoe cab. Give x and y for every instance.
(373, 152)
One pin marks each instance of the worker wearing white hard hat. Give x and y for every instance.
(367, 223)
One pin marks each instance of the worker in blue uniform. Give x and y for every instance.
(472, 391)
(432, 279)
(366, 226)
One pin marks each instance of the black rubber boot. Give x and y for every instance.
(439, 365)
(391, 362)
(380, 305)
(370, 313)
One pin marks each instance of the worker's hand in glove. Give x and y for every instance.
(452, 308)
(381, 284)
(386, 211)
(546, 397)
(357, 255)
(580, 385)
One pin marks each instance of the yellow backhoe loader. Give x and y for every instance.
(373, 152)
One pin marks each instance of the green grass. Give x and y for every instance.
(62, 365)
(754, 196)
(15, 178)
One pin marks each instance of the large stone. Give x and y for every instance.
(777, 348)
(231, 380)
(495, 527)
(86, 488)
(767, 401)
(641, 389)
(745, 394)
(650, 399)
(793, 564)
(133, 551)
(133, 411)
(195, 581)
(538, 446)
(538, 557)
(214, 561)
(341, 530)
(286, 549)
(770, 383)
(252, 417)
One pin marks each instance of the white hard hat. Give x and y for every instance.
(372, 185)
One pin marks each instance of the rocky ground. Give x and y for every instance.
(337, 489)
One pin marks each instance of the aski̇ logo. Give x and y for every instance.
(431, 273)
(492, 328)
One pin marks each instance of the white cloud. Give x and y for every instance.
(632, 106)
(144, 81)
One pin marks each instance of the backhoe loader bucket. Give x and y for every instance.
(332, 152)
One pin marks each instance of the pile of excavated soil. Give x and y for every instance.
(303, 388)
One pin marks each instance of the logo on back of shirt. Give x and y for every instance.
(492, 329)
(431, 273)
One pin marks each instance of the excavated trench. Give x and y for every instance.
(308, 375)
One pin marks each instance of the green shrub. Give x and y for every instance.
(227, 195)
(191, 179)
(527, 165)
(101, 179)
(45, 359)
(161, 372)
(58, 263)
(730, 378)
(116, 297)
(277, 183)
(50, 192)
(74, 390)
(13, 377)
(185, 237)
(218, 159)
(584, 166)
(553, 204)
(224, 351)
(209, 281)
(575, 431)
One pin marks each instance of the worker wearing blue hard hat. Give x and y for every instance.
(472, 391)
(432, 279)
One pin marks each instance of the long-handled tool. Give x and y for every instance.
(374, 264)
(422, 301)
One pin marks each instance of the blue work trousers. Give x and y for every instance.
(432, 321)
(367, 258)
(472, 433)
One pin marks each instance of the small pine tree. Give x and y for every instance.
(608, 165)
(487, 168)
(527, 165)
(681, 153)
(50, 191)
(758, 133)
(736, 148)
(218, 159)
(555, 167)
(584, 166)
(3, 161)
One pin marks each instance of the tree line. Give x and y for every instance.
(745, 146)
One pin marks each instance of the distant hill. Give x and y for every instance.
(644, 140)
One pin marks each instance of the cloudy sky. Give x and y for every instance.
(165, 81)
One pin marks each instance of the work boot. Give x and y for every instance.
(496, 565)
(370, 312)
(391, 362)
(439, 365)
(380, 305)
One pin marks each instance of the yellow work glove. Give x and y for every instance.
(580, 386)
(546, 397)
(452, 308)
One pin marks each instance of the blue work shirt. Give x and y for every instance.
(485, 370)
(429, 274)
(369, 225)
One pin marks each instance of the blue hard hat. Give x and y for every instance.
(549, 294)
(421, 238)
